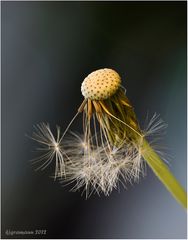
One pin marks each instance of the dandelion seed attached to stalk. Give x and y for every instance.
(113, 146)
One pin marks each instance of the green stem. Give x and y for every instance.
(163, 173)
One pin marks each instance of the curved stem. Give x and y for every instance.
(163, 173)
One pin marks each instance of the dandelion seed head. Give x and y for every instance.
(109, 151)
(101, 84)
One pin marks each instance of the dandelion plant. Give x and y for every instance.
(112, 149)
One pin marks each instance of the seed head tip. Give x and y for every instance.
(101, 84)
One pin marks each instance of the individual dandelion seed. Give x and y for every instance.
(50, 148)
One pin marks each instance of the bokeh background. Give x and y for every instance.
(48, 48)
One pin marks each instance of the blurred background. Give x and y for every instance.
(48, 48)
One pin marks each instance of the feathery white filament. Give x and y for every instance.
(89, 161)
(50, 147)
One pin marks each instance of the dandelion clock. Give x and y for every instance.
(112, 148)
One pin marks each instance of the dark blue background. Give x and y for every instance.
(48, 48)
